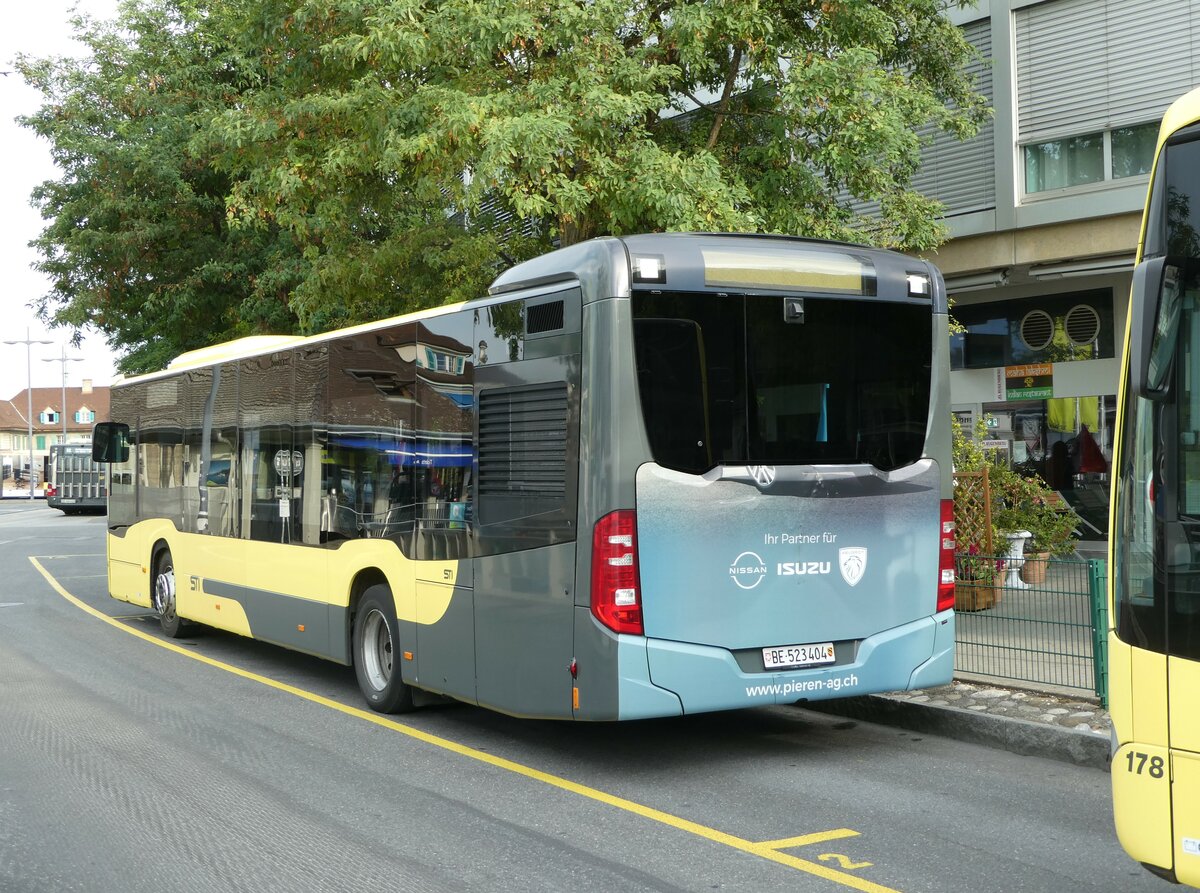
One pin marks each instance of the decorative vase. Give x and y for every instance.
(1016, 549)
(1033, 569)
(969, 597)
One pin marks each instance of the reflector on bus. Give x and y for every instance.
(826, 271)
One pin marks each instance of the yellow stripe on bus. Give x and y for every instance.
(762, 850)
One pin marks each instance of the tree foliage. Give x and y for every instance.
(246, 165)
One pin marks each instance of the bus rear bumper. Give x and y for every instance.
(707, 678)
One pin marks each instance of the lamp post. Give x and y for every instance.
(64, 359)
(29, 342)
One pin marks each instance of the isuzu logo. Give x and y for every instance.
(764, 475)
(853, 563)
(747, 570)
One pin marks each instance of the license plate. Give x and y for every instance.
(66, 500)
(798, 655)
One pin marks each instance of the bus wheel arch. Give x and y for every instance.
(375, 649)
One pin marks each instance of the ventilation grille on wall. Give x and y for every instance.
(546, 317)
(1082, 324)
(1037, 329)
(522, 442)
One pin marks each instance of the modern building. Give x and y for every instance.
(85, 406)
(1044, 208)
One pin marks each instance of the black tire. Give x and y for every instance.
(376, 649)
(162, 596)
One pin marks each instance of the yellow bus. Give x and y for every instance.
(1154, 589)
(645, 476)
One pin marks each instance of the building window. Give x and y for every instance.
(1133, 150)
(1090, 158)
(41, 442)
(48, 417)
(84, 416)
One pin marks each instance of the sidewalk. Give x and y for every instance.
(1063, 727)
(1029, 638)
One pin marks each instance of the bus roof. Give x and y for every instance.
(731, 262)
(609, 259)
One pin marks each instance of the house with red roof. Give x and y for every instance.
(85, 405)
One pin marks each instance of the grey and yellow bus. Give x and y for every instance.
(1154, 591)
(643, 476)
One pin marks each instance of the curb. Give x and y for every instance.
(1019, 736)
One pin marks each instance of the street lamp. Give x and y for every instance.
(29, 342)
(64, 359)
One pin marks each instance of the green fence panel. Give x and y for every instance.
(1041, 625)
(1098, 584)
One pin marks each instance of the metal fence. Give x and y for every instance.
(1049, 632)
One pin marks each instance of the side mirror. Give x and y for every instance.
(1155, 304)
(110, 442)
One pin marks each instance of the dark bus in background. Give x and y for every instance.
(76, 482)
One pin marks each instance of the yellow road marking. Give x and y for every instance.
(804, 840)
(765, 851)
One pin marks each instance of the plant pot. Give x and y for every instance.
(970, 597)
(1033, 571)
(1015, 559)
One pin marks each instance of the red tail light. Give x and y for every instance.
(945, 590)
(616, 601)
(51, 490)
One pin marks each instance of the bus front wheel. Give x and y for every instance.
(376, 653)
(162, 595)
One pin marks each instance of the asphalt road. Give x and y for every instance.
(130, 763)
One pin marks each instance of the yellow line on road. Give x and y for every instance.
(765, 851)
(788, 842)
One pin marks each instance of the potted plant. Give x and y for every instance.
(977, 580)
(1052, 523)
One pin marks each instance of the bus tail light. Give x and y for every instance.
(945, 590)
(616, 601)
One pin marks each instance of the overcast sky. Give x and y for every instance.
(39, 28)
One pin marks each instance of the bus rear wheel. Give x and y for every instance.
(162, 595)
(376, 646)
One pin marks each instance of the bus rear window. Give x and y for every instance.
(727, 379)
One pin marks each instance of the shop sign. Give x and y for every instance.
(1034, 381)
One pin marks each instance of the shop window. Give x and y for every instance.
(1051, 329)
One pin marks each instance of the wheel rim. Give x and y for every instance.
(377, 650)
(164, 592)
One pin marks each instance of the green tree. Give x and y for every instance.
(137, 241)
(246, 165)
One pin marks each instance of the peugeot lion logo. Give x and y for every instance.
(764, 475)
(853, 563)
